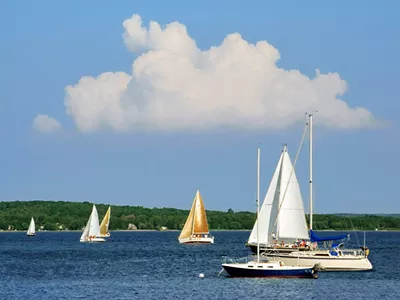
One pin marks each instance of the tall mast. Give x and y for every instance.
(257, 201)
(310, 124)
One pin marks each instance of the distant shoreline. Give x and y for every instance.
(177, 230)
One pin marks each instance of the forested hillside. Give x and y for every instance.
(56, 215)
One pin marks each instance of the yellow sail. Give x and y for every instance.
(200, 219)
(187, 229)
(196, 223)
(105, 223)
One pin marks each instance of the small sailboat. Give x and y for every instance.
(196, 226)
(261, 266)
(105, 223)
(92, 229)
(31, 230)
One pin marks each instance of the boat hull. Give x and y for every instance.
(243, 270)
(93, 240)
(197, 240)
(105, 235)
(332, 263)
(30, 234)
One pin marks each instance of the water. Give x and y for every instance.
(153, 265)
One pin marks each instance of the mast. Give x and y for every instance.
(310, 124)
(257, 201)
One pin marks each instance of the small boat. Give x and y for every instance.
(260, 266)
(31, 230)
(105, 223)
(195, 230)
(251, 267)
(92, 229)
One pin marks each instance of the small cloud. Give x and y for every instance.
(46, 124)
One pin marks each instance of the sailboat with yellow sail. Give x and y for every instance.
(105, 223)
(195, 230)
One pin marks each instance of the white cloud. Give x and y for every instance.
(46, 124)
(174, 85)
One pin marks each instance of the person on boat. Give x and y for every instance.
(282, 244)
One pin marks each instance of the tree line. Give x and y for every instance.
(61, 215)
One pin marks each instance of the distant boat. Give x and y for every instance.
(105, 223)
(261, 266)
(31, 230)
(92, 229)
(195, 230)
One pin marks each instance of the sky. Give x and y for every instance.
(144, 102)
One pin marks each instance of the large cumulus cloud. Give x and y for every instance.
(174, 85)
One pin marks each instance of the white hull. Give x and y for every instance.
(328, 263)
(197, 240)
(93, 240)
(31, 234)
(105, 235)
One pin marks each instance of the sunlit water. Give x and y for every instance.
(153, 265)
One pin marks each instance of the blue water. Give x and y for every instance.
(153, 265)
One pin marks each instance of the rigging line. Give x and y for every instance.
(352, 226)
(290, 176)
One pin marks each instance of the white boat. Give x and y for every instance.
(92, 229)
(196, 230)
(261, 266)
(282, 225)
(105, 224)
(31, 229)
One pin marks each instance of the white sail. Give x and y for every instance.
(291, 218)
(281, 215)
(94, 229)
(268, 210)
(31, 229)
(85, 233)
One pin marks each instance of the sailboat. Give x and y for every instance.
(92, 229)
(283, 228)
(261, 266)
(31, 230)
(105, 223)
(196, 226)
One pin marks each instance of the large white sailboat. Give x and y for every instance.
(283, 229)
(91, 232)
(260, 266)
(31, 230)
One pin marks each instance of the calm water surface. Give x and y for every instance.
(153, 265)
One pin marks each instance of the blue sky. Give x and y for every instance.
(48, 45)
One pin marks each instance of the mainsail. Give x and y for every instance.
(105, 223)
(282, 213)
(196, 223)
(31, 229)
